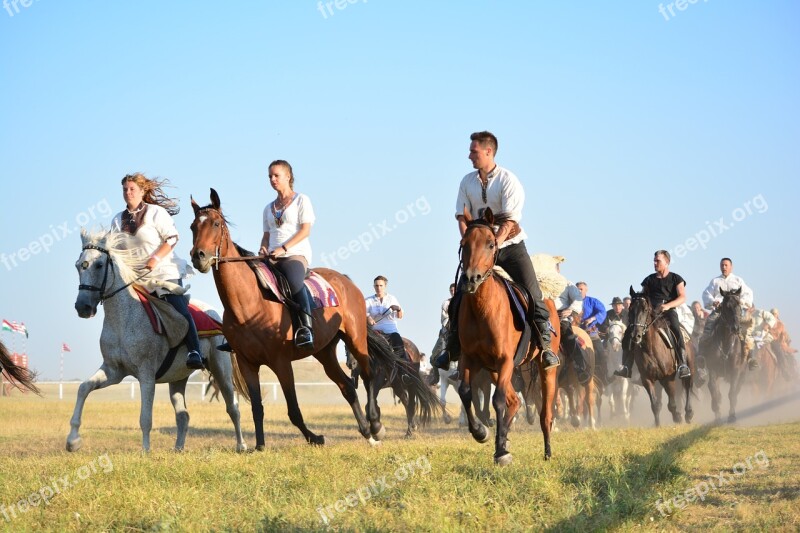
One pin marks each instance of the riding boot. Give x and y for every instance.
(451, 352)
(683, 368)
(303, 335)
(752, 360)
(579, 361)
(549, 358)
(627, 364)
(224, 347)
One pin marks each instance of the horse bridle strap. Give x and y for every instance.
(488, 273)
(102, 288)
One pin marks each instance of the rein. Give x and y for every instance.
(216, 258)
(102, 288)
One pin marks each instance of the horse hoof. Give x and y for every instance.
(490, 423)
(481, 435)
(260, 447)
(503, 460)
(380, 434)
(575, 421)
(447, 418)
(374, 443)
(74, 445)
(177, 449)
(689, 417)
(240, 448)
(731, 419)
(317, 440)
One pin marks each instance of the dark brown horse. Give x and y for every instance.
(724, 353)
(260, 330)
(489, 337)
(656, 360)
(17, 375)
(402, 387)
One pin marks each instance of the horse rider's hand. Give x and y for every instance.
(151, 263)
(566, 313)
(263, 251)
(395, 308)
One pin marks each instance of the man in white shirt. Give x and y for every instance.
(712, 297)
(383, 312)
(441, 341)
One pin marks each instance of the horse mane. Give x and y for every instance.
(122, 247)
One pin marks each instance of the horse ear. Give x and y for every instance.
(736, 292)
(488, 216)
(195, 207)
(467, 216)
(723, 292)
(633, 293)
(214, 199)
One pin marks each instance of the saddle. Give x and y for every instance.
(322, 293)
(523, 316)
(167, 321)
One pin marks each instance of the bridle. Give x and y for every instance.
(224, 235)
(102, 288)
(472, 225)
(646, 324)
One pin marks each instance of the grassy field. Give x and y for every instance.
(743, 477)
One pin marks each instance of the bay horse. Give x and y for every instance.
(259, 329)
(107, 268)
(18, 376)
(655, 359)
(723, 350)
(489, 335)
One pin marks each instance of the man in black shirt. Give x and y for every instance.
(666, 291)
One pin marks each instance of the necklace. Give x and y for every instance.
(141, 206)
(279, 212)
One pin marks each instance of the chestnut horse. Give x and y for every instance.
(260, 331)
(724, 353)
(17, 375)
(655, 359)
(489, 338)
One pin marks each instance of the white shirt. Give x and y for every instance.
(685, 317)
(299, 211)
(504, 194)
(376, 307)
(712, 295)
(157, 228)
(445, 318)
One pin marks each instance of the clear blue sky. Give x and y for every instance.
(632, 130)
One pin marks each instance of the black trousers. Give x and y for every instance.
(515, 260)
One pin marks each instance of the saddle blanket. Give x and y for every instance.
(165, 318)
(322, 293)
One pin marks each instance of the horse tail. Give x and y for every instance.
(238, 380)
(19, 375)
(382, 355)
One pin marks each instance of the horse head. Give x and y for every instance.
(209, 233)
(100, 277)
(616, 330)
(729, 309)
(640, 315)
(478, 249)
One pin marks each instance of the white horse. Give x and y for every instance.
(106, 269)
(621, 391)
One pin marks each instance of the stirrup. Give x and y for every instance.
(303, 337)
(683, 371)
(623, 372)
(549, 359)
(194, 361)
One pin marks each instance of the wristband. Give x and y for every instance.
(284, 249)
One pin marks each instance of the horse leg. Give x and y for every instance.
(222, 369)
(327, 356)
(147, 389)
(177, 395)
(716, 396)
(548, 384)
(476, 428)
(733, 394)
(592, 395)
(655, 403)
(672, 403)
(574, 406)
(101, 379)
(408, 399)
(283, 370)
(687, 388)
(506, 404)
(251, 379)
